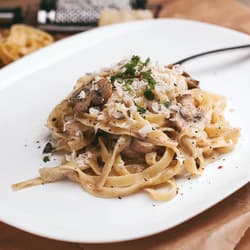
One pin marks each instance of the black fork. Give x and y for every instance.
(211, 52)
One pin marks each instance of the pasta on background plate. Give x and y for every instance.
(136, 126)
(20, 41)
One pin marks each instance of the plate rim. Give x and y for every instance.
(25, 61)
(113, 27)
(195, 213)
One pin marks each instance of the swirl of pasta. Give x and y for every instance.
(136, 126)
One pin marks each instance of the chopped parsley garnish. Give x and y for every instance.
(146, 62)
(131, 72)
(127, 85)
(48, 148)
(129, 81)
(46, 158)
(141, 110)
(130, 67)
(147, 76)
(117, 76)
(166, 104)
(149, 94)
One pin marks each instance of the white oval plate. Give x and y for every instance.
(31, 87)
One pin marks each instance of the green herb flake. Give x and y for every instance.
(130, 66)
(130, 73)
(129, 81)
(117, 76)
(166, 104)
(146, 62)
(127, 84)
(141, 110)
(149, 94)
(48, 148)
(147, 76)
(127, 87)
(46, 158)
(129, 69)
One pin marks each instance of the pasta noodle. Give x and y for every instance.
(136, 126)
(21, 40)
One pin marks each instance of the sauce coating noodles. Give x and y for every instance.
(136, 126)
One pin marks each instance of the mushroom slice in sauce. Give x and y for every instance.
(188, 114)
(138, 147)
(92, 94)
(191, 83)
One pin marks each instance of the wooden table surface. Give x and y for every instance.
(228, 13)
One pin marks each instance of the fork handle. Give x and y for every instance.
(211, 52)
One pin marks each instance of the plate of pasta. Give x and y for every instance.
(102, 130)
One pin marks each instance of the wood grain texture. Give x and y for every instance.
(197, 233)
(205, 231)
(229, 13)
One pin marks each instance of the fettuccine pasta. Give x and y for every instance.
(20, 41)
(136, 126)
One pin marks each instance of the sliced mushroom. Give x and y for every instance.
(138, 148)
(81, 104)
(185, 99)
(170, 66)
(102, 92)
(185, 74)
(187, 113)
(92, 94)
(192, 83)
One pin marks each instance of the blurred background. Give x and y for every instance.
(61, 18)
(70, 16)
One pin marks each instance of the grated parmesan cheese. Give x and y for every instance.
(118, 88)
(180, 158)
(78, 133)
(145, 130)
(132, 109)
(178, 69)
(117, 115)
(98, 78)
(139, 100)
(100, 117)
(83, 159)
(71, 157)
(66, 123)
(94, 111)
(96, 127)
(94, 86)
(155, 107)
(81, 95)
(123, 125)
(138, 84)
